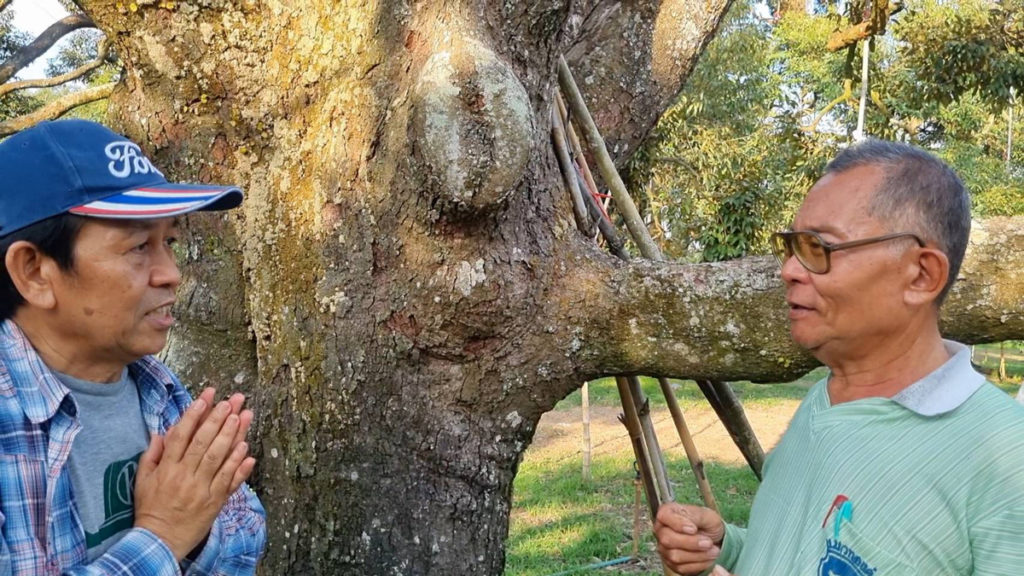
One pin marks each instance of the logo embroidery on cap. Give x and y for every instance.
(126, 158)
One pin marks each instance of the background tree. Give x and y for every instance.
(404, 291)
(769, 104)
(79, 78)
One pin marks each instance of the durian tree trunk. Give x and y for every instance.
(403, 292)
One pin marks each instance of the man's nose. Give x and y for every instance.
(165, 271)
(793, 270)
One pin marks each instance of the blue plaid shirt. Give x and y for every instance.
(39, 522)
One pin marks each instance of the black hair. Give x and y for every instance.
(54, 237)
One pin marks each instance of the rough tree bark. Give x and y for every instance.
(403, 293)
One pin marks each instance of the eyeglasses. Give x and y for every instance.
(814, 253)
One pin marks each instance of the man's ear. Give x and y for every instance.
(32, 273)
(930, 273)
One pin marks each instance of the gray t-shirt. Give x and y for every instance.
(104, 457)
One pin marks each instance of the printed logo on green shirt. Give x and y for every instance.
(118, 500)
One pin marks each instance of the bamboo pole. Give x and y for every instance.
(624, 203)
(579, 210)
(645, 461)
(585, 395)
(728, 404)
(632, 423)
(696, 462)
(730, 412)
(574, 141)
(643, 411)
(615, 243)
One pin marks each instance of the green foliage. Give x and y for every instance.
(11, 39)
(968, 46)
(767, 106)
(78, 49)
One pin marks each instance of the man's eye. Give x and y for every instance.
(140, 247)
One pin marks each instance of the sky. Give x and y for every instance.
(34, 16)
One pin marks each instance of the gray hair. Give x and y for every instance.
(918, 191)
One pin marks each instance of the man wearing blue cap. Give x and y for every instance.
(106, 466)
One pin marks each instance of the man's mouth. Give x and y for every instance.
(164, 310)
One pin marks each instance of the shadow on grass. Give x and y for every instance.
(560, 522)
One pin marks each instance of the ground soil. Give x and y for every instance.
(560, 432)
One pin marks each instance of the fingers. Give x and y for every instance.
(179, 436)
(688, 537)
(224, 480)
(676, 517)
(151, 457)
(243, 472)
(203, 440)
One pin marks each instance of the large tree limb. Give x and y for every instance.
(727, 320)
(101, 57)
(44, 42)
(57, 108)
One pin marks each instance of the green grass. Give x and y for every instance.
(986, 357)
(560, 522)
(603, 392)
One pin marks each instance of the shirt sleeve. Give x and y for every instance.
(236, 540)
(732, 545)
(996, 543)
(138, 553)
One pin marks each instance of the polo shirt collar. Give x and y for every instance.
(945, 389)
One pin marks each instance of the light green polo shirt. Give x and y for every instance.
(929, 482)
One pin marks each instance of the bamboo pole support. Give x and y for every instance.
(574, 141)
(624, 203)
(726, 405)
(585, 396)
(579, 210)
(643, 411)
(646, 464)
(730, 412)
(615, 243)
(632, 423)
(696, 462)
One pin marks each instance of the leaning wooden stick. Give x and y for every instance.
(696, 462)
(635, 224)
(579, 209)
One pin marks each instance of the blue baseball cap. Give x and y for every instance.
(84, 168)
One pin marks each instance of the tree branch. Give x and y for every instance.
(727, 320)
(57, 108)
(874, 25)
(632, 58)
(4, 4)
(101, 57)
(44, 42)
(846, 95)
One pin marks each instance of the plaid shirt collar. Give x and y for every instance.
(41, 394)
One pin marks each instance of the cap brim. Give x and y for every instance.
(162, 201)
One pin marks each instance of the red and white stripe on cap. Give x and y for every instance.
(162, 201)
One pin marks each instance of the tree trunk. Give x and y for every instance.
(403, 292)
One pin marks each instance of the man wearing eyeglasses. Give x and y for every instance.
(903, 460)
